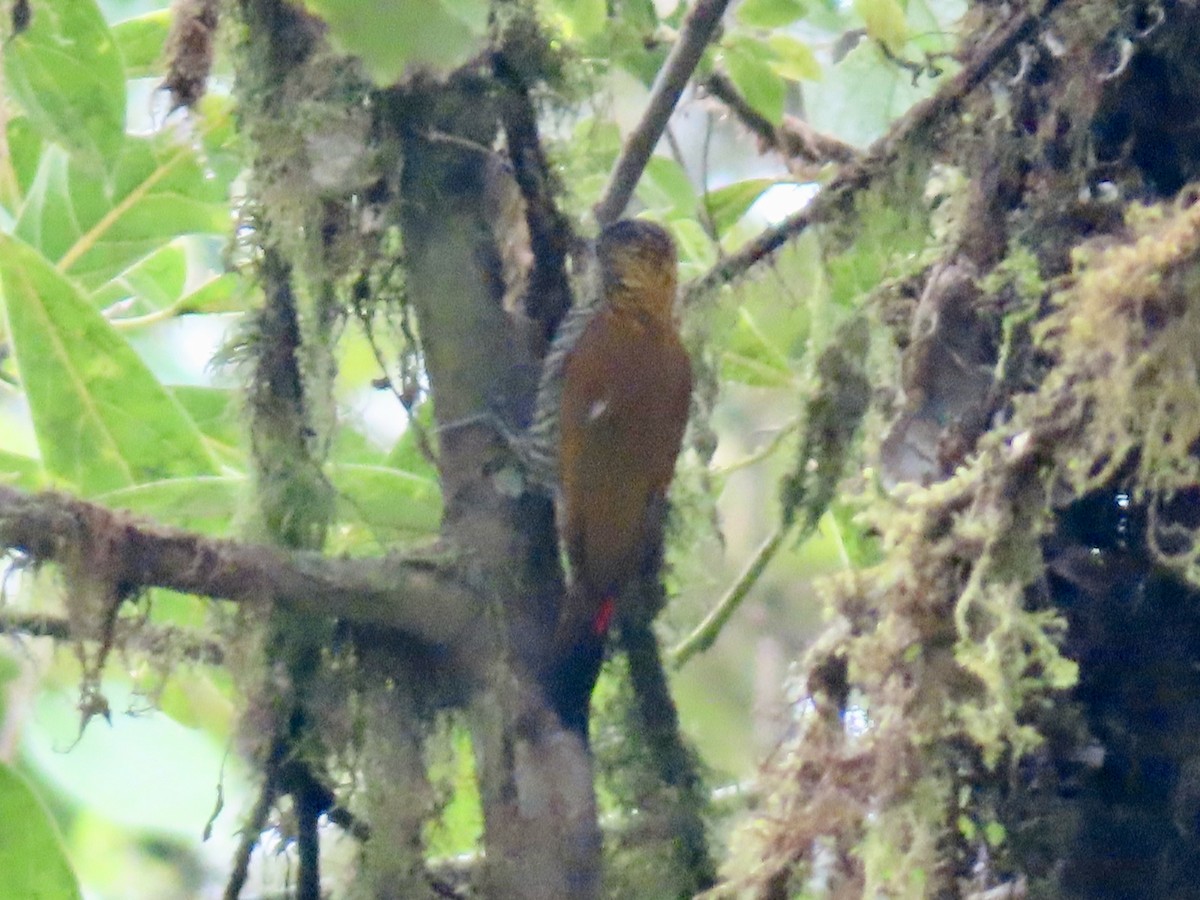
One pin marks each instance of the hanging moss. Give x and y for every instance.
(952, 648)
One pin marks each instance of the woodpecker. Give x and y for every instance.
(625, 391)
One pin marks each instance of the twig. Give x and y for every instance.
(794, 139)
(133, 323)
(129, 634)
(764, 452)
(251, 832)
(856, 176)
(721, 86)
(695, 35)
(706, 632)
(349, 823)
(915, 69)
(406, 400)
(707, 219)
(422, 436)
(453, 140)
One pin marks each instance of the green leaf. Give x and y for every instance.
(196, 698)
(995, 833)
(885, 21)
(931, 25)
(793, 59)
(218, 134)
(769, 13)
(666, 187)
(163, 606)
(102, 419)
(66, 72)
(641, 14)
(586, 156)
(891, 228)
(17, 470)
(391, 37)
(151, 284)
(728, 204)
(756, 352)
(10, 670)
(697, 253)
(207, 504)
(459, 827)
(584, 18)
(771, 326)
(141, 41)
(25, 151)
(406, 454)
(32, 856)
(472, 13)
(95, 231)
(144, 771)
(214, 410)
(225, 293)
(860, 97)
(157, 282)
(390, 503)
(352, 446)
(749, 66)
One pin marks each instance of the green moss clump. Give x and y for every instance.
(942, 666)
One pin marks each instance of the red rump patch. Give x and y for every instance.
(604, 616)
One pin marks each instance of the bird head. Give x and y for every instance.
(638, 267)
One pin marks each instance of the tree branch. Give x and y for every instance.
(857, 176)
(677, 767)
(418, 596)
(551, 236)
(694, 37)
(705, 634)
(794, 140)
(310, 802)
(251, 832)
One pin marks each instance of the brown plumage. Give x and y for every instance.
(625, 395)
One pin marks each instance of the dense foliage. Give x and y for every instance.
(962, 380)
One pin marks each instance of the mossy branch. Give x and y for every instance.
(418, 596)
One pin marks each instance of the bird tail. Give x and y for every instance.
(578, 653)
